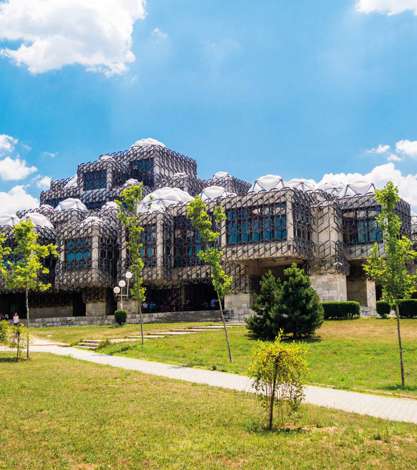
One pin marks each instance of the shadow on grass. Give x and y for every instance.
(287, 429)
(8, 359)
(399, 389)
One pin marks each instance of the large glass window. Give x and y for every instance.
(360, 226)
(142, 170)
(148, 251)
(108, 256)
(187, 243)
(78, 254)
(95, 180)
(257, 224)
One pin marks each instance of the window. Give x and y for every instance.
(78, 254)
(187, 243)
(142, 170)
(148, 251)
(95, 180)
(257, 224)
(107, 261)
(360, 226)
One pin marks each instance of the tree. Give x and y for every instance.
(290, 305)
(209, 229)
(392, 270)
(128, 204)
(263, 324)
(27, 270)
(5, 251)
(278, 371)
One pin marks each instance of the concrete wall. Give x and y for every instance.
(94, 309)
(363, 291)
(239, 305)
(50, 312)
(330, 286)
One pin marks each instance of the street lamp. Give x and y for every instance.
(118, 290)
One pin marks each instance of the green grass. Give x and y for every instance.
(357, 355)
(74, 334)
(58, 413)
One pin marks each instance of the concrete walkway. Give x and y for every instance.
(395, 409)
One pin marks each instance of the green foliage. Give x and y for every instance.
(26, 269)
(18, 335)
(211, 254)
(290, 305)
(120, 316)
(278, 372)
(344, 310)
(128, 203)
(264, 323)
(4, 331)
(4, 254)
(408, 308)
(383, 308)
(391, 271)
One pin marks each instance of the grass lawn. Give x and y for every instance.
(74, 334)
(58, 413)
(357, 355)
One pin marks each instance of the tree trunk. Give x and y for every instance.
(397, 316)
(140, 320)
(272, 399)
(18, 346)
(225, 328)
(28, 323)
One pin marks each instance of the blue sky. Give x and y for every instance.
(299, 89)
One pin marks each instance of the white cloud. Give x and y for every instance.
(43, 182)
(7, 143)
(392, 157)
(158, 34)
(49, 154)
(16, 199)
(96, 34)
(380, 175)
(14, 169)
(380, 149)
(388, 7)
(407, 147)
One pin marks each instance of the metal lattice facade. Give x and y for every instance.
(326, 231)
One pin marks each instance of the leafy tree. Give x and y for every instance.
(27, 270)
(278, 371)
(391, 270)
(15, 338)
(209, 229)
(128, 204)
(290, 305)
(4, 331)
(4, 256)
(263, 324)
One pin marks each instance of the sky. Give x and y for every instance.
(319, 90)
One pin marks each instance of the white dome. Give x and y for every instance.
(131, 182)
(220, 174)
(300, 183)
(72, 183)
(147, 142)
(39, 220)
(103, 158)
(8, 220)
(359, 187)
(71, 204)
(214, 192)
(159, 200)
(266, 183)
(91, 221)
(110, 205)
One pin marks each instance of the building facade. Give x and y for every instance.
(270, 224)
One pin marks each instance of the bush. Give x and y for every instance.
(4, 331)
(341, 310)
(120, 316)
(278, 371)
(383, 308)
(408, 308)
(290, 305)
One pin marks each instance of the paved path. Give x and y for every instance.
(395, 409)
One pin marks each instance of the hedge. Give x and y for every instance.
(341, 310)
(120, 317)
(408, 308)
(383, 308)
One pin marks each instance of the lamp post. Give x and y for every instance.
(118, 290)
